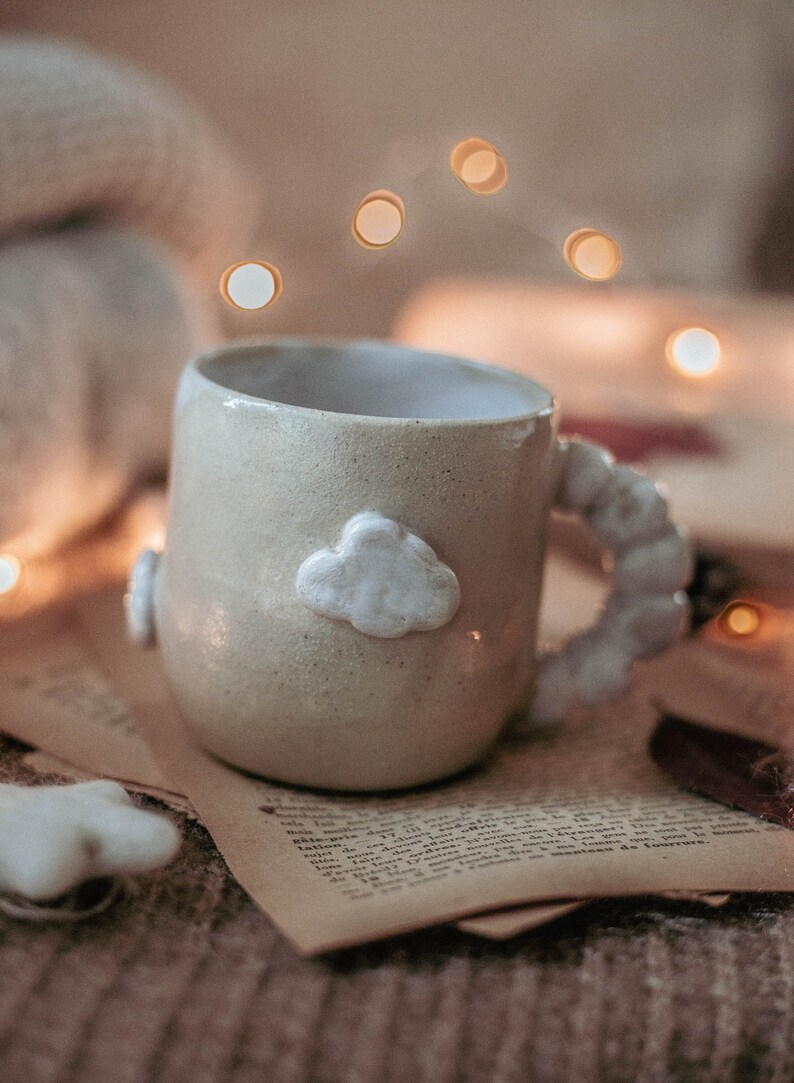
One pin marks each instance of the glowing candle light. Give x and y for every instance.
(379, 219)
(479, 166)
(592, 254)
(10, 570)
(250, 285)
(693, 351)
(740, 619)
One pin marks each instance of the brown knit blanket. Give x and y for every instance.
(188, 982)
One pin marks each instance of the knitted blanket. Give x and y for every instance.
(118, 211)
(187, 981)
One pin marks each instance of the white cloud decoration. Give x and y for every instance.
(381, 578)
(52, 838)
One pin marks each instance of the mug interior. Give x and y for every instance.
(374, 379)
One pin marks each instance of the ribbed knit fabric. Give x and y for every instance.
(97, 321)
(86, 137)
(188, 982)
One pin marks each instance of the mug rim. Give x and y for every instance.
(241, 346)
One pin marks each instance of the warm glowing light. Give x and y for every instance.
(145, 522)
(592, 254)
(740, 619)
(154, 539)
(10, 570)
(379, 219)
(693, 351)
(479, 166)
(251, 284)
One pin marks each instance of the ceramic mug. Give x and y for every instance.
(348, 594)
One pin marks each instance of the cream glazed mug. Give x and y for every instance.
(349, 589)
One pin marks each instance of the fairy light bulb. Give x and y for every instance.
(592, 254)
(740, 619)
(479, 166)
(693, 351)
(10, 571)
(379, 219)
(251, 284)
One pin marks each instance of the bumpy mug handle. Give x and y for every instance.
(651, 564)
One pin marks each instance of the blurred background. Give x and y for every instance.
(247, 131)
(146, 146)
(667, 124)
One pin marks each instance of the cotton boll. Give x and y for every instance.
(53, 838)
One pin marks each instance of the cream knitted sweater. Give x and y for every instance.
(118, 211)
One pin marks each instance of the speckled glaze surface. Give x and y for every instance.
(259, 485)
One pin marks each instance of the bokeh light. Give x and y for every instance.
(10, 571)
(592, 254)
(479, 166)
(250, 285)
(740, 619)
(379, 219)
(693, 351)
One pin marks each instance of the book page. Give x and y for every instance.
(515, 920)
(504, 924)
(53, 696)
(576, 811)
(724, 688)
(44, 763)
